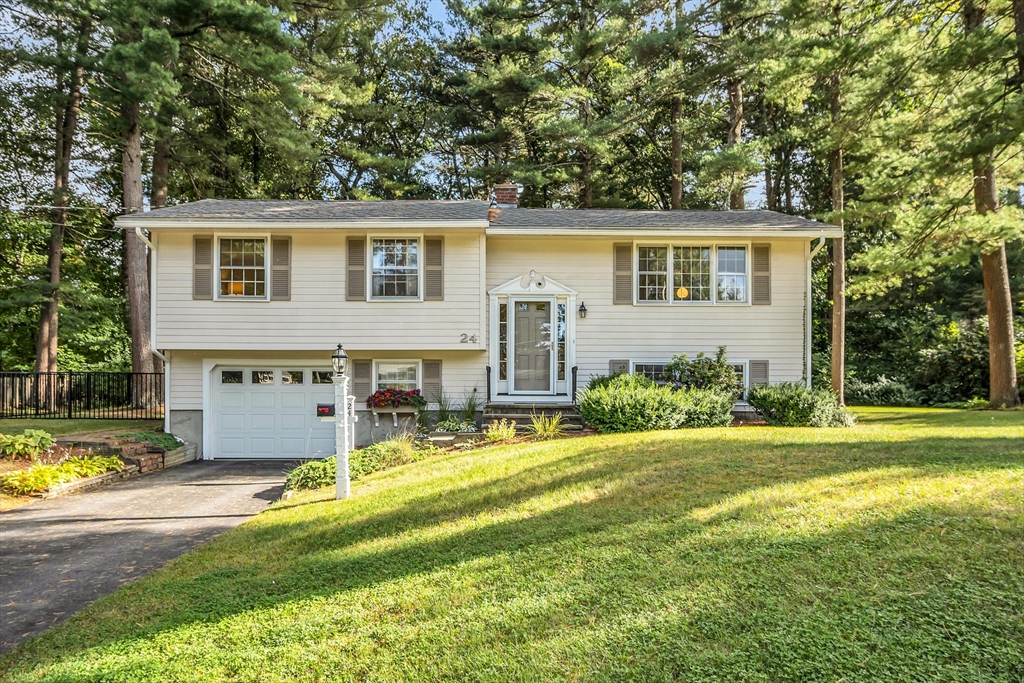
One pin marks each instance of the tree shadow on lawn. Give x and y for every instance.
(644, 501)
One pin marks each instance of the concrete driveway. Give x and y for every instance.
(59, 555)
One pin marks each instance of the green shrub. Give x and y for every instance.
(542, 427)
(500, 431)
(314, 474)
(456, 424)
(598, 381)
(42, 476)
(470, 406)
(30, 444)
(632, 403)
(882, 392)
(398, 450)
(706, 408)
(168, 442)
(703, 372)
(794, 405)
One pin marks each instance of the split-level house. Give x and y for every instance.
(517, 305)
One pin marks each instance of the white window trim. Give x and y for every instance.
(267, 256)
(413, 361)
(634, 363)
(714, 245)
(419, 266)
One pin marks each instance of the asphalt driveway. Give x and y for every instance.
(59, 555)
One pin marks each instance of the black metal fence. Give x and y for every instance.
(69, 395)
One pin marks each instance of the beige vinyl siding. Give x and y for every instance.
(317, 316)
(656, 332)
(186, 380)
(461, 371)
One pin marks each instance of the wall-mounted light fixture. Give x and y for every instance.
(582, 310)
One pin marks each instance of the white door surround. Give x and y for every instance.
(531, 288)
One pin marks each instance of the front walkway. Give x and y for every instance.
(59, 555)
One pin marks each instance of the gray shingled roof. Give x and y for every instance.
(596, 219)
(309, 210)
(525, 219)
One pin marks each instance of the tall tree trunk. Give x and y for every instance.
(735, 87)
(838, 254)
(677, 153)
(1003, 390)
(161, 170)
(995, 274)
(138, 280)
(1018, 29)
(66, 124)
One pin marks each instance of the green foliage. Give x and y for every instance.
(398, 450)
(456, 424)
(882, 392)
(43, 476)
(166, 441)
(632, 403)
(792, 404)
(313, 474)
(497, 431)
(955, 367)
(544, 427)
(471, 404)
(597, 381)
(30, 444)
(898, 538)
(706, 407)
(704, 373)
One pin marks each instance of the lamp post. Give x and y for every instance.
(339, 359)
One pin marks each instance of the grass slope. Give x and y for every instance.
(891, 551)
(76, 426)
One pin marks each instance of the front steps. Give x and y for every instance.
(519, 414)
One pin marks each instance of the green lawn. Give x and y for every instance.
(893, 551)
(63, 427)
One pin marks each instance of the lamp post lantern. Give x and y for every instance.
(339, 359)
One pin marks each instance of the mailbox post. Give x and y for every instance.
(341, 420)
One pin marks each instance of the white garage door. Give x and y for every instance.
(270, 412)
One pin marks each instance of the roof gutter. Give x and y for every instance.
(754, 230)
(284, 223)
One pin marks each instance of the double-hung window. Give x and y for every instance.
(682, 274)
(395, 268)
(243, 268)
(398, 374)
(732, 273)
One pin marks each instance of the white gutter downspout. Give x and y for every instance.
(808, 307)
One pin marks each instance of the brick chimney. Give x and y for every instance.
(506, 195)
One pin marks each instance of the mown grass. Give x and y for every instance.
(890, 551)
(77, 426)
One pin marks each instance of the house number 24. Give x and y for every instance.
(468, 339)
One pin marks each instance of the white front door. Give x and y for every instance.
(270, 412)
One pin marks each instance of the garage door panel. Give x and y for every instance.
(232, 447)
(260, 445)
(293, 447)
(232, 399)
(293, 422)
(232, 421)
(270, 420)
(321, 447)
(292, 399)
(264, 422)
(264, 397)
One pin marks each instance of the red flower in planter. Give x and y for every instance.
(396, 398)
